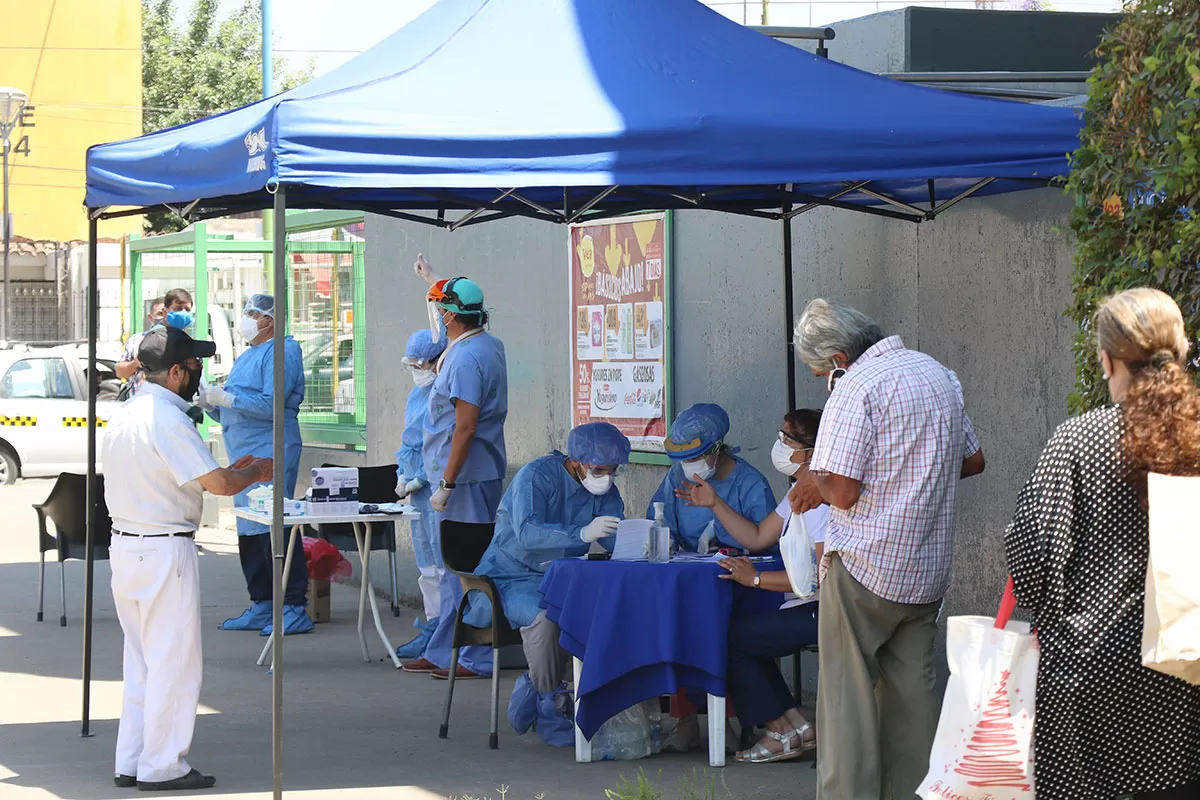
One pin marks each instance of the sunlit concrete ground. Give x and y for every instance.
(351, 729)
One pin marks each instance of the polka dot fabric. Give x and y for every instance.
(1105, 726)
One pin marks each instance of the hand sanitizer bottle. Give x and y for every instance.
(660, 537)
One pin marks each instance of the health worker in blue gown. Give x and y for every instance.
(555, 507)
(420, 357)
(464, 450)
(245, 408)
(696, 447)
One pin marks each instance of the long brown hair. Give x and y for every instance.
(1144, 328)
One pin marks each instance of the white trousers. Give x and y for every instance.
(430, 585)
(156, 587)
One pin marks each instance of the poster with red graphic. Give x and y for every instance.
(620, 315)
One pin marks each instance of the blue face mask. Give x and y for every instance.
(181, 319)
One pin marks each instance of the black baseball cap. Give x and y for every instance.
(163, 348)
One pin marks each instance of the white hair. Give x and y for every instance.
(826, 328)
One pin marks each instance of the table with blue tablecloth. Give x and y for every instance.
(639, 630)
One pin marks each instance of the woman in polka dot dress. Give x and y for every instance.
(1106, 726)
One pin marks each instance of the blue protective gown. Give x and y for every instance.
(411, 464)
(745, 490)
(474, 370)
(247, 427)
(541, 518)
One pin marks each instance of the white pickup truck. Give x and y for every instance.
(43, 409)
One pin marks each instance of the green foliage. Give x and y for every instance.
(701, 786)
(204, 66)
(1136, 177)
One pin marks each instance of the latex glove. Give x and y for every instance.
(440, 499)
(424, 271)
(599, 528)
(401, 482)
(414, 485)
(216, 396)
(706, 539)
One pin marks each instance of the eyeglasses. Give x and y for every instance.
(793, 442)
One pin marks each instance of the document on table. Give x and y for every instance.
(632, 538)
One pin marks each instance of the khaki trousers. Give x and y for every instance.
(877, 707)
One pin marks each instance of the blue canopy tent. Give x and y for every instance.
(562, 110)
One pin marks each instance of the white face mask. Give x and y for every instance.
(700, 468)
(781, 457)
(834, 375)
(248, 328)
(423, 377)
(597, 484)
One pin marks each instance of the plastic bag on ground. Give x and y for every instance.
(324, 560)
(624, 737)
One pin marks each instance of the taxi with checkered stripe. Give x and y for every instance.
(43, 410)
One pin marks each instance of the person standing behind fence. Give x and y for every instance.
(159, 469)
(1078, 547)
(245, 407)
(894, 442)
(465, 456)
(129, 368)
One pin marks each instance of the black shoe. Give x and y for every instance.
(124, 781)
(193, 780)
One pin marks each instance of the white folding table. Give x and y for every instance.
(363, 525)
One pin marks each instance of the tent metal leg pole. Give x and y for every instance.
(93, 305)
(278, 550)
(789, 308)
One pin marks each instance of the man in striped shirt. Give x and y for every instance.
(894, 443)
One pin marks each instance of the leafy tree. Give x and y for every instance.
(1136, 177)
(201, 67)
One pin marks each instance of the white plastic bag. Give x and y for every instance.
(1171, 632)
(626, 736)
(984, 744)
(799, 557)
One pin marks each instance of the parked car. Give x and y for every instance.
(43, 410)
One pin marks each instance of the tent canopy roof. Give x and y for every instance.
(555, 102)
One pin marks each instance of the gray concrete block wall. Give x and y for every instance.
(982, 289)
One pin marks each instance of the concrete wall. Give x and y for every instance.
(982, 289)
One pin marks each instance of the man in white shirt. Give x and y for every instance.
(159, 469)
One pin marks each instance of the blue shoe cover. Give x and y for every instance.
(523, 705)
(295, 620)
(556, 718)
(415, 648)
(252, 619)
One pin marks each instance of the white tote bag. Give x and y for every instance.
(984, 744)
(1171, 633)
(799, 557)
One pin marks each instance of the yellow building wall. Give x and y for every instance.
(80, 62)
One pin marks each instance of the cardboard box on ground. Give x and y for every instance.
(317, 601)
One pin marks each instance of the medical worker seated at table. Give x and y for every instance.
(420, 357)
(756, 638)
(556, 507)
(696, 446)
(244, 406)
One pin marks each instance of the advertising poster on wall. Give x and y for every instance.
(620, 309)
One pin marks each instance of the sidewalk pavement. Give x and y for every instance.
(351, 729)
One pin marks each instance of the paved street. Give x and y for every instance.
(351, 729)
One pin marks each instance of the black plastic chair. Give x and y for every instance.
(66, 507)
(463, 544)
(375, 485)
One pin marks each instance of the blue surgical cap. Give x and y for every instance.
(422, 347)
(599, 444)
(262, 303)
(696, 430)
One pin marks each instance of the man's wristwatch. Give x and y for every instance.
(444, 485)
(757, 579)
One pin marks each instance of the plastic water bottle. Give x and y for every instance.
(660, 537)
(654, 714)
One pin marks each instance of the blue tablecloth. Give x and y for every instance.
(642, 630)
